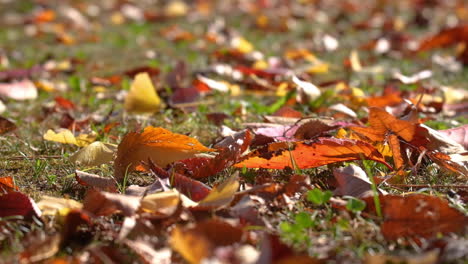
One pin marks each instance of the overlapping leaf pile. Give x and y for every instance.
(281, 155)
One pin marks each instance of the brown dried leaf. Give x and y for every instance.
(417, 216)
(104, 203)
(96, 181)
(198, 243)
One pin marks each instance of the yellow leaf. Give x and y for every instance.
(142, 97)
(164, 203)
(319, 68)
(221, 194)
(57, 206)
(242, 45)
(65, 136)
(193, 247)
(160, 145)
(176, 8)
(95, 154)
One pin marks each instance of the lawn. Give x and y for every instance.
(233, 131)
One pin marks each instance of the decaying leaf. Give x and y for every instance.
(155, 143)
(94, 154)
(65, 136)
(303, 155)
(417, 216)
(142, 97)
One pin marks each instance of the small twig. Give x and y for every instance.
(429, 186)
(32, 157)
(192, 104)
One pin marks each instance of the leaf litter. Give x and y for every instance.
(234, 132)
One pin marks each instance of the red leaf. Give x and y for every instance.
(195, 190)
(310, 154)
(229, 150)
(16, 203)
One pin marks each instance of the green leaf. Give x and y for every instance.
(304, 220)
(355, 205)
(319, 197)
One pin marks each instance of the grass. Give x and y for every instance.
(42, 168)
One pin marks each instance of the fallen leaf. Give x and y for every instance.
(381, 122)
(41, 248)
(229, 152)
(65, 136)
(222, 194)
(353, 181)
(199, 242)
(417, 216)
(21, 90)
(7, 184)
(76, 228)
(413, 78)
(273, 250)
(16, 74)
(95, 181)
(320, 152)
(457, 134)
(158, 144)
(313, 129)
(306, 91)
(142, 97)
(18, 204)
(430, 257)
(104, 203)
(445, 38)
(94, 154)
(162, 203)
(195, 190)
(436, 141)
(57, 206)
(6, 126)
(147, 253)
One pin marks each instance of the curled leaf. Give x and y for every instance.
(94, 154)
